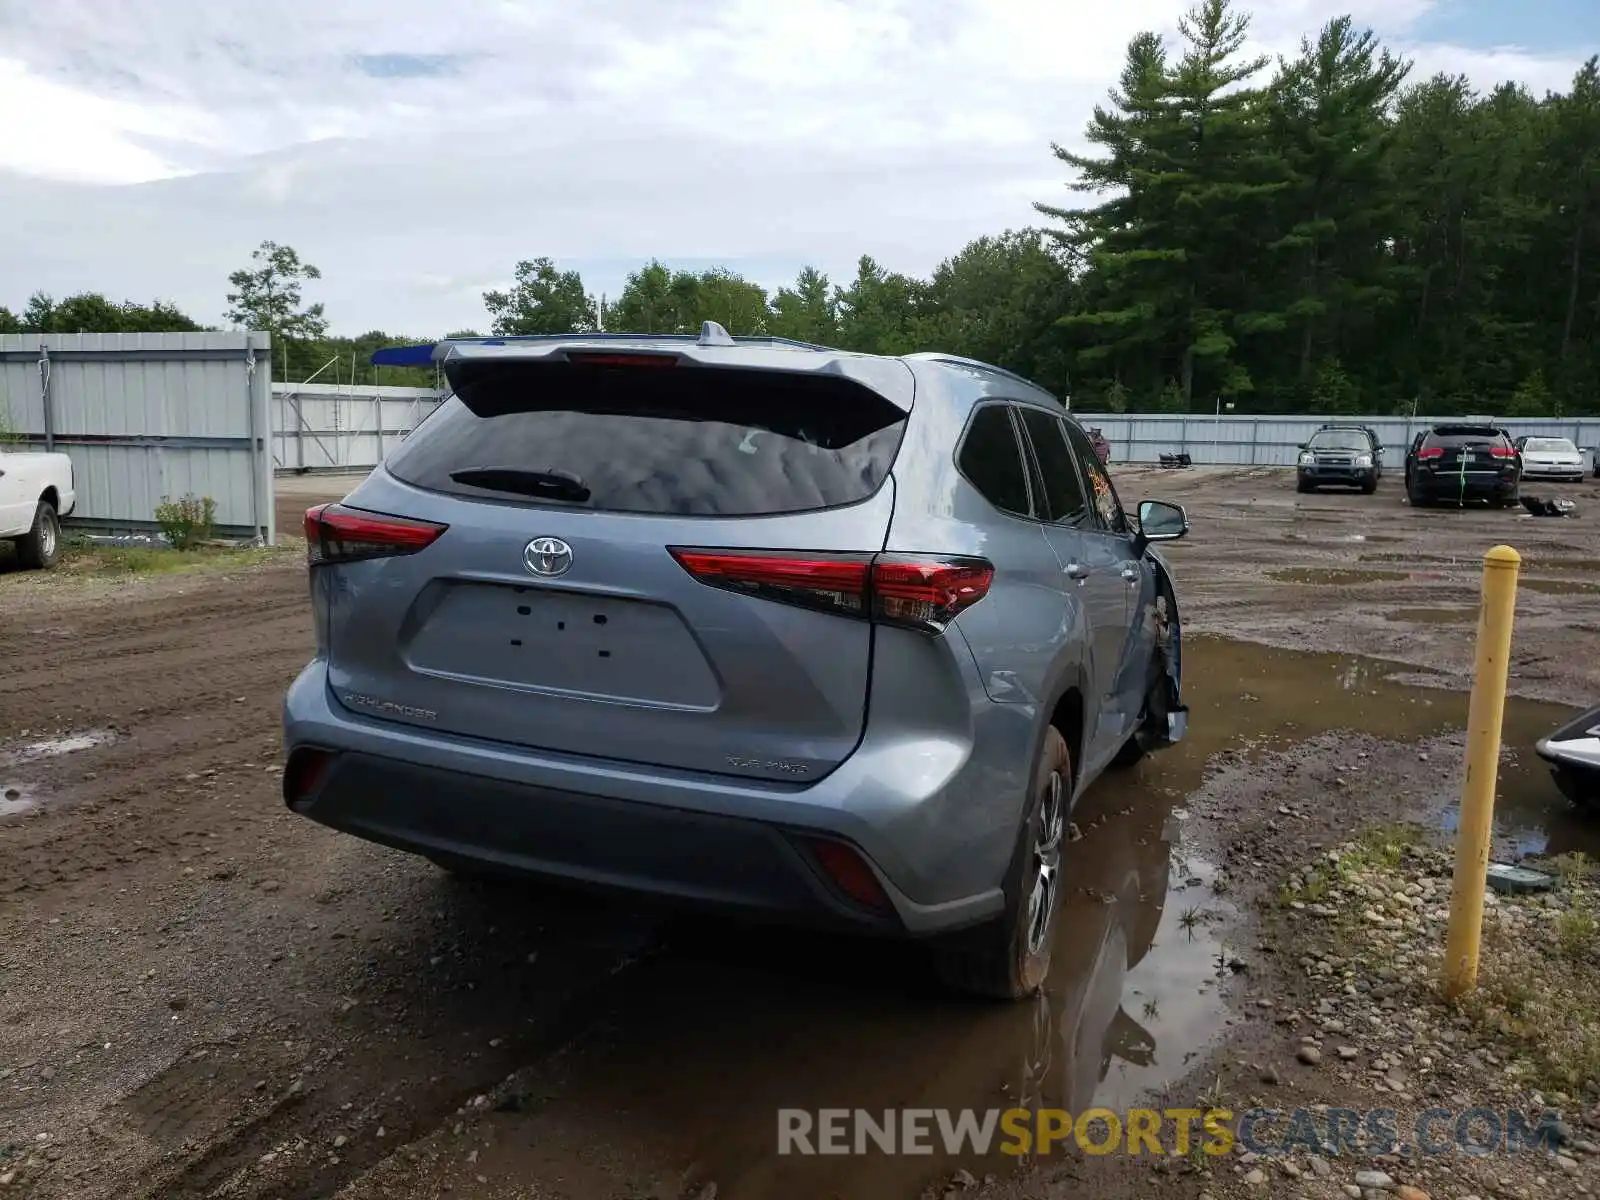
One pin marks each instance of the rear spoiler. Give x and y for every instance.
(711, 334)
(467, 357)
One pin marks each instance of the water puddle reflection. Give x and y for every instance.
(781, 1020)
(16, 799)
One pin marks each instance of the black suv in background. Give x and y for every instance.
(1463, 460)
(1350, 455)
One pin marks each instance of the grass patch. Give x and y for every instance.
(1384, 901)
(1381, 848)
(89, 559)
(1538, 990)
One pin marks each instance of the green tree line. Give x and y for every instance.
(1315, 233)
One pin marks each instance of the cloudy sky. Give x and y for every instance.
(414, 150)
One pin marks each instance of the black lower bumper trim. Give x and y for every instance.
(667, 853)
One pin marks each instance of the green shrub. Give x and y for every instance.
(187, 521)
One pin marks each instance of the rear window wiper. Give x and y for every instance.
(552, 484)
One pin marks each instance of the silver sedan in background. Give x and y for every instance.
(1551, 458)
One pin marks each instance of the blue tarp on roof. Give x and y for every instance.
(404, 356)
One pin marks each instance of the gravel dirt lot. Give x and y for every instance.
(201, 995)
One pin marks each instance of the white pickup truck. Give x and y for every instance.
(36, 491)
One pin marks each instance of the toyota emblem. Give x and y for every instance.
(547, 556)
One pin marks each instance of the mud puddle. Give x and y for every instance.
(1432, 616)
(54, 747)
(1332, 576)
(728, 1024)
(1287, 696)
(16, 799)
(1560, 587)
(1561, 564)
(19, 799)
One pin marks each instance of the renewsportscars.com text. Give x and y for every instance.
(1153, 1131)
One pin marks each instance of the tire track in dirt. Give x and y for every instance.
(189, 684)
(192, 979)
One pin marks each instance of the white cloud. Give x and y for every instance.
(415, 153)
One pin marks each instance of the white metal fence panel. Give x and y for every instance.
(333, 427)
(330, 427)
(145, 416)
(1276, 440)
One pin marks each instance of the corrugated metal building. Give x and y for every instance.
(146, 416)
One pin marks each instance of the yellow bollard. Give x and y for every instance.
(1500, 567)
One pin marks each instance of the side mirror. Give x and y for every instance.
(1160, 521)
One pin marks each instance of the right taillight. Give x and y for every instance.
(927, 592)
(335, 534)
(917, 591)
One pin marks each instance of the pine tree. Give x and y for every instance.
(1329, 131)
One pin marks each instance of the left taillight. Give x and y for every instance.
(916, 591)
(335, 534)
(304, 773)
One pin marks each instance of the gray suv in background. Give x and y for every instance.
(1348, 455)
(814, 635)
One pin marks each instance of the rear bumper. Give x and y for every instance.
(1474, 487)
(588, 840)
(729, 843)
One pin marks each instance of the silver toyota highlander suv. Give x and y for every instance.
(811, 634)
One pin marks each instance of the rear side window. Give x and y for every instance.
(1063, 491)
(1108, 509)
(679, 441)
(991, 460)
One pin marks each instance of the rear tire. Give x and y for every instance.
(1008, 958)
(40, 548)
(1417, 497)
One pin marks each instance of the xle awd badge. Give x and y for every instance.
(547, 556)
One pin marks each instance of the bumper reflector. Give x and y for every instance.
(304, 772)
(849, 873)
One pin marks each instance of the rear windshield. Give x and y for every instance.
(1341, 439)
(1463, 435)
(665, 440)
(1555, 445)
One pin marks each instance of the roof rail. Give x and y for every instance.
(975, 363)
